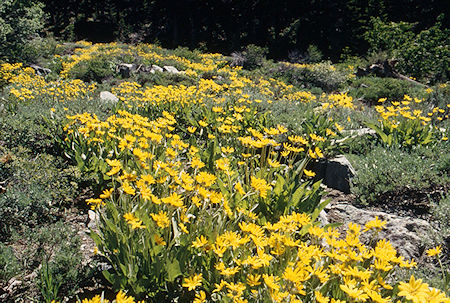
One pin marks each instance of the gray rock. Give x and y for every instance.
(335, 173)
(108, 97)
(171, 69)
(13, 284)
(41, 71)
(93, 219)
(322, 218)
(362, 131)
(338, 173)
(156, 68)
(354, 133)
(125, 69)
(405, 233)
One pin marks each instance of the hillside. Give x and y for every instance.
(130, 170)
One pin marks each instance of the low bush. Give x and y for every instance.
(9, 264)
(56, 247)
(371, 89)
(382, 171)
(184, 52)
(439, 95)
(311, 55)
(35, 187)
(49, 260)
(321, 75)
(96, 69)
(423, 55)
(251, 57)
(40, 50)
(21, 206)
(440, 210)
(164, 79)
(25, 126)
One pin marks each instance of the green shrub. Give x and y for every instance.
(322, 75)
(423, 55)
(165, 79)
(97, 69)
(39, 48)
(19, 22)
(21, 206)
(9, 265)
(254, 56)
(371, 89)
(251, 57)
(185, 52)
(35, 127)
(50, 250)
(388, 36)
(25, 126)
(58, 246)
(431, 270)
(389, 170)
(358, 145)
(426, 57)
(439, 96)
(312, 55)
(35, 186)
(441, 212)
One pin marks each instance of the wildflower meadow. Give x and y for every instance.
(203, 184)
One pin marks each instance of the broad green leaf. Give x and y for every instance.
(279, 185)
(173, 270)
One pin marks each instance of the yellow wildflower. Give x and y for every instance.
(161, 219)
(261, 186)
(192, 282)
(200, 242)
(174, 199)
(133, 221)
(309, 173)
(415, 290)
(434, 251)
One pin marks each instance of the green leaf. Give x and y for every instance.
(389, 140)
(378, 130)
(317, 211)
(222, 186)
(333, 225)
(109, 276)
(98, 241)
(279, 185)
(173, 270)
(298, 194)
(110, 225)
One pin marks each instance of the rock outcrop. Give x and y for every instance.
(405, 233)
(335, 173)
(108, 97)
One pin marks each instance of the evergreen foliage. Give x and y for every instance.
(20, 21)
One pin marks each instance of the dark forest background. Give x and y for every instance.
(224, 26)
(413, 33)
